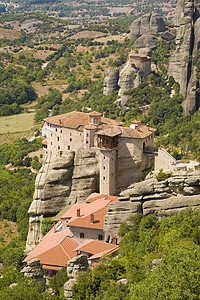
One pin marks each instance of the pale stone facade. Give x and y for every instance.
(83, 233)
(123, 151)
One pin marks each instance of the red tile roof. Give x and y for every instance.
(96, 248)
(142, 131)
(49, 267)
(77, 120)
(96, 205)
(110, 131)
(56, 248)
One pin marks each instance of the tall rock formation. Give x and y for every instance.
(110, 83)
(147, 24)
(182, 65)
(137, 67)
(61, 181)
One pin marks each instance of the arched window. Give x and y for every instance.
(100, 237)
(82, 235)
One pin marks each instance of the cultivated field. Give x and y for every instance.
(16, 123)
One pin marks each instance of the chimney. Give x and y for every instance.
(104, 114)
(115, 240)
(92, 218)
(78, 212)
(148, 126)
(60, 122)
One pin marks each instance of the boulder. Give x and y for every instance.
(168, 36)
(34, 270)
(140, 188)
(146, 39)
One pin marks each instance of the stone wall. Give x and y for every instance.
(74, 266)
(163, 160)
(89, 233)
(162, 198)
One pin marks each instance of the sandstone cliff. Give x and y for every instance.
(110, 83)
(162, 198)
(64, 180)
(182, 65)
(147, 24)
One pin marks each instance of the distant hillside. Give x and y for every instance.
(95, 9)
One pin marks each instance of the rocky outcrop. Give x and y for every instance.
(110, 83)
(169, 35)
(162, 198)
(85, 178)
(75, 265)
(147, 24)
(64, 180)
(129, 78)
(136, 68)
(145, 40)
(34, 270)
(182, 65)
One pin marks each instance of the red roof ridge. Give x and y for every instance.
(64, 250)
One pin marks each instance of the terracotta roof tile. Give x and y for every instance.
(76, 120)
(105, 252)
(110, 131)
(49, 267)
(50, 240)
(97, 206)
(96, 247)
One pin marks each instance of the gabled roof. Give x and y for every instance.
(96, 248)
(140, 132)
(95, 204)
(77, 120)
(109, 131)
(55, 248)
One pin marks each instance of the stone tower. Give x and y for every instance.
(107, 143)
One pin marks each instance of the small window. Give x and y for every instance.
(58, 147)
(100, 237)
(51, 134)
(58, 138)
(51, 143)
(70, 134)
(70, 140)
(104, 178)
(82, 235)
(104, 167)
(60, 130)
(104, 157)
(56, 129)
(68, 147)
(87, 142)
(87, 134)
